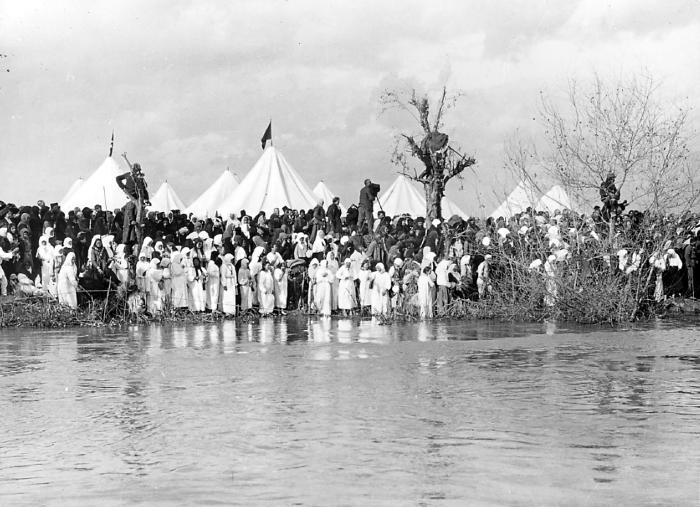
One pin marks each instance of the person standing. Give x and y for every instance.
(68, 282)
(333, 214)
(365, 207)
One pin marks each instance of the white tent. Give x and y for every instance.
(165, 199)
(271, 183)
(100, 188)
(75, 186)
(403, 197)
(524, 196)
(322, 191)
(209, 202)
(555, 199)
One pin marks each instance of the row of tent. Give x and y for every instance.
(271, 183)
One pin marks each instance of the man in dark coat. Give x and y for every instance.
(333, 213)
(365, 207)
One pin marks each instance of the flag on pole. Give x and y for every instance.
(111, 145)
(267, 135)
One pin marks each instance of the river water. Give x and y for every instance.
(341, 412)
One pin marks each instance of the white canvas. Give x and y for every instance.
(100, 188)
(73, 188)
(166, 199)
(524, 196)
(271, 183)
(555, 199)
(402, 196)
(210, 201)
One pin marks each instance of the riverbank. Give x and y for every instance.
(43, 312)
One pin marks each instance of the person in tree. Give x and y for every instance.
(134, 185)
(610, 196)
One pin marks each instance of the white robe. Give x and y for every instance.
(228, 286)
(196, 289)
(266, 292)
(347, 299)
(244, 286)
(67, 285)
(280, 278)
(213, 284)
(155, 293)
(323, 292)
(426, 296)
(178, 283)
(380, 295)
(365, 293)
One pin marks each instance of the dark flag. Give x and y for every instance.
(267, 136)
(111, 145)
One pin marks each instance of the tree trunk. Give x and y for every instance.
(434, 190)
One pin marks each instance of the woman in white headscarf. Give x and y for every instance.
(147, 247)
(426, 293)
(58, 258)
(196, 281)
(365, 278)
(213, 282)
(266, 289)
(245, 286)
(347, 299)
(154, 281)
(228, 285)
(332, 266)
(281, 282)
(67, 286)
(381, 283)
(120, 266)
(322, 290)
(45, 253)
(142, 267)
(178, 281)
(311, 293)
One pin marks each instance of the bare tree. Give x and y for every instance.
(620, 129)
(438, 160)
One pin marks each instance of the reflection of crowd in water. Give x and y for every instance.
(316, 260)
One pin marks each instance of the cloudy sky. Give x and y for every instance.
(189, 86)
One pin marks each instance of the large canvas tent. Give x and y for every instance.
(209, 202)
(75, 186)
(555, 199)
(99, 188)
(322, 191)
(271, 183)
(403, 197)
(523, 197)
(165, 199)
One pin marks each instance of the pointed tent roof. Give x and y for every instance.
(403, 197)
(524, 196)
(555, 199)
(271, 183)
(100, 188)
(209, 202)
(75, 186)
(322, 191)
(165, 199)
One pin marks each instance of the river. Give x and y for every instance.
(339, 412)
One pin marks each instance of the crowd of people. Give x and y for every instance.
(319, 260)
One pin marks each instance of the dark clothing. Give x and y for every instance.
(334, 222)
(133, 186)
(366, 199)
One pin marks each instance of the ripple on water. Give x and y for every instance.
(321, 412)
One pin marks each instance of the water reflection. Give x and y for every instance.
(311, 410)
